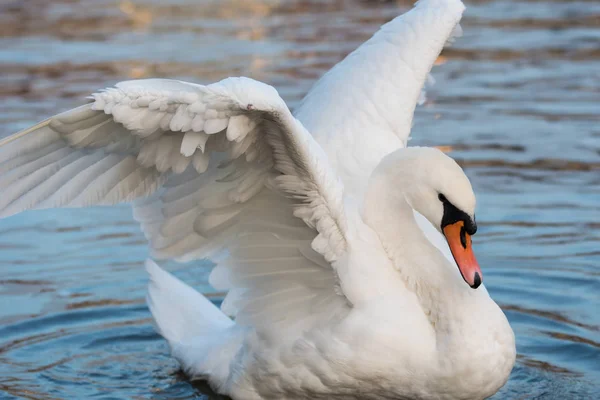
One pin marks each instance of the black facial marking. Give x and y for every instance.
(452, 215)
(463, 237)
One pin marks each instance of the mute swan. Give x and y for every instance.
(338, 274)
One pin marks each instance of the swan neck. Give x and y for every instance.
(425, 271)
(387, 211)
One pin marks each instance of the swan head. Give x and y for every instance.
(434, 185)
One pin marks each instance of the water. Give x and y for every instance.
(516, 100)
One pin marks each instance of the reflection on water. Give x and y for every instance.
(516, 102)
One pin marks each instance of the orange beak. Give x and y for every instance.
(460, 246)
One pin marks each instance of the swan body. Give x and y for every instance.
(348, 261)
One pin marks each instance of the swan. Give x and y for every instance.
(346, 255)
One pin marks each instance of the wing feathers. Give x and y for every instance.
(223, 165)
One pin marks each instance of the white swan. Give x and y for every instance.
(337, 289)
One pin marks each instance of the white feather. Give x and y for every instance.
(192, 141)
(212, 126)
(238, 127)
(201, 161)
(197, 123)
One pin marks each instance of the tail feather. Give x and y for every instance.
(180, 312)
(201, 337)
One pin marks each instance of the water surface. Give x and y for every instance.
(516, 101)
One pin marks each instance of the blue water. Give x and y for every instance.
(516, 100)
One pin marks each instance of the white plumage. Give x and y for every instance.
(334, 289)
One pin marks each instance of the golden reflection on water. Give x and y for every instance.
(140, 16)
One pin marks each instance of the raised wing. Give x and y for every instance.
(363, 108)
(223, 165)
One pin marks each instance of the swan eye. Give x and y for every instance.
(452, 215)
